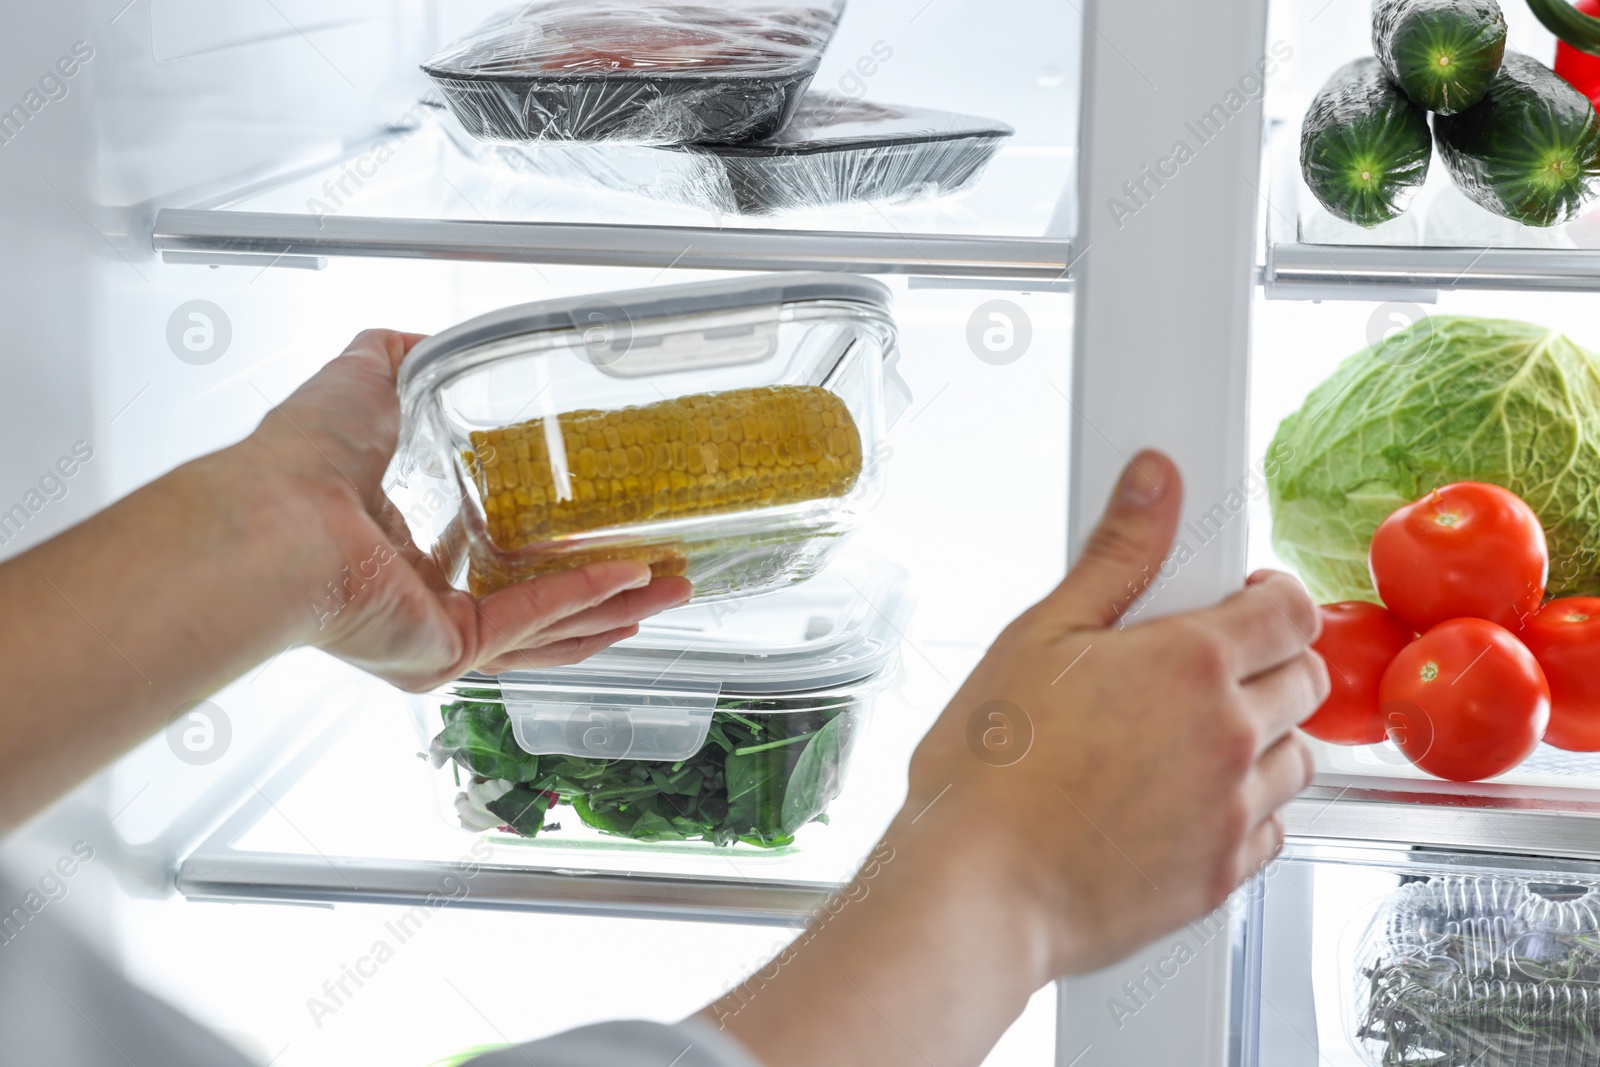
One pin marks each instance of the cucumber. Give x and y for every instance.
(1529, 150)
(1443, 53)
(1364, 146)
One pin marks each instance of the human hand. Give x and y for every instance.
(1161, 752)
(322, 454)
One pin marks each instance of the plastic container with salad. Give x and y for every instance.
(721, 723)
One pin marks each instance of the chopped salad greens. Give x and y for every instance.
(768, 768)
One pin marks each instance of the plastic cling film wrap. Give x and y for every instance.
(644, 72)
(1364, 146)
(1482, 971)
(833, 151)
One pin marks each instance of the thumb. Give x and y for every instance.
(1126, 549)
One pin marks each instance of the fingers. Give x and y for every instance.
(1279, 776)
(624, 609)
(1269, 622)
(560, 654)
(515, 616)
(1262, 847)
(1125, 551)
(391, 346)
(1285, 696)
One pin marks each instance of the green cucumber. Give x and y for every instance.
(1364, 146)
(1443, 53)
(1578, 29)
(1529, 150)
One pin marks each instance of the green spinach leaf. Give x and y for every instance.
(523, 809)
(816, 777)
(478, 737)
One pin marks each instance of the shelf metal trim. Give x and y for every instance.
(595, 244)
(256, 876)
(217, 870)
(1503, 824)
(1298, 270)
(1338, 266)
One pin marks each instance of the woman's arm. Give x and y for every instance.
(109, 629)
(1160, 755)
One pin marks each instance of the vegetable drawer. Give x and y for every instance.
(1380, 959)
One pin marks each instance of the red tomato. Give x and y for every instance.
(1358, 642)
(1580, 69)
(1466, 550)
(1465, 701)
(1565, 638)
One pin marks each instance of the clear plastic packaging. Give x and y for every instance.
(722, 723)
(728, 431)
(644, 72)
(1482, 971)
(833, 151)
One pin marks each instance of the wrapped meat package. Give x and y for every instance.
(833, 151)
(641, 72)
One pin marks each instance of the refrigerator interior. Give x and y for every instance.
(415, 166)
(212, 109)
(1291, 358)
(1314, 970)
(358, 796)
(1435, 258)
(1443, 240)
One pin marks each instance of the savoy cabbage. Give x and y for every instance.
(1450, 398)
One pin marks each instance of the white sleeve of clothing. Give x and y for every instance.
(631, 1043)
(62, 1003)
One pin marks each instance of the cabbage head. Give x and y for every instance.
(1448, 399)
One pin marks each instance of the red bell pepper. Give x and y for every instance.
(1580, 69)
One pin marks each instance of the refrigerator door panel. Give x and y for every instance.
(1167, 1003)
(1165, 256)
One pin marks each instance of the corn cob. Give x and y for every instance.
(694, 455)
(484, 576)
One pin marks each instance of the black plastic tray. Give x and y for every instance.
(839, 151)
(834, 152)
(648, 72)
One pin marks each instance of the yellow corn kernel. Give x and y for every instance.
(695, 455)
